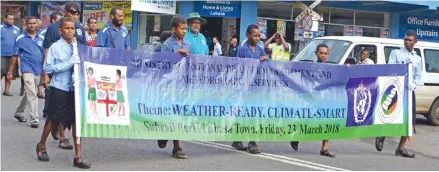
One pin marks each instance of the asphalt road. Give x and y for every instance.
(19, 140)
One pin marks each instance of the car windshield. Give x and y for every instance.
(337, 48)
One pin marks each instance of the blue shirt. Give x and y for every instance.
(260, 43)
(120, 37)
(58, 64)
(245, 51)
(9, 36)
(198, 43)
(52, 34)
(30, 51)
(403, 56)
(42, 32)
(171, 45)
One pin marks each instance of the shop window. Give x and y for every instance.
(275, 10)
(369, 19)
(388, 50)
(371, 32)
(431, 60)
(324, 11)
(150, 28)
(334, 30)
(356, 52)
(341, 16)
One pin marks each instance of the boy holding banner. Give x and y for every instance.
(176, 44)
(59, 64)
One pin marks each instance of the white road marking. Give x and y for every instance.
(284, 159)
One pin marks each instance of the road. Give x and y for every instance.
(19, 140)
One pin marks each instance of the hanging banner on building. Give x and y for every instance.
(427, 28)
(348, 30)
(262, 25)
(101, 11)
(384, 33)
(358, 31)
(298, 32)
(231, 9)
(144, 95)
(47, 8)
(154, 6)
(281, 26)
(156, 23)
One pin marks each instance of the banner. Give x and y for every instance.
(47, 8)
(101, 11)
(147, 95)
(154, 6)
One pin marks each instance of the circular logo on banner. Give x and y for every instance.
(307, 23)
(79, 31)
(390, 101)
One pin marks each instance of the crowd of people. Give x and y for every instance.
(46, 59)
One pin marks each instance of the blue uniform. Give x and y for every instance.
(30, 51)
(403, 56)
(245, 51)
(198, 43)
(108, 35)
(171, 45)
(42, 32)
(59, 64)
(52, 34)
(9, 35)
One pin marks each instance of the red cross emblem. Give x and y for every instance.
(107, 87)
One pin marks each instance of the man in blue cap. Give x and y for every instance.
(194, 37)
(9, 33)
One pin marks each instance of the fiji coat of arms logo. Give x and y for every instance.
(362, 103)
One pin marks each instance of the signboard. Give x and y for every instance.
(384, 33)
(143, 95)
(427, 28)
(308, 35)
(154, 6)
(358, 31)
(101, 11)
(47, 8)
(262, 25)
(348, 30)
(281, 26)
(230, 9)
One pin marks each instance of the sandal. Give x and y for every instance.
(64, 144)
(162, 143)
(20, 118)
(327, 153)
(54, 132)
(83, 164)
(179, 154)
(44, 156)
(7, 94)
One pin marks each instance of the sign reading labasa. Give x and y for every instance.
(133, 94)
(427, 28)
(218, 8)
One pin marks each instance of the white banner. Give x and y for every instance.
(155, 6)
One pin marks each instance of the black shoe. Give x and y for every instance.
(239, 146)
(44, 156)
(83, 164)
(404, 153)
(253, 148)
(327, 153)
(295, 145)
(21, 91)
(20, 118)
(379, 143)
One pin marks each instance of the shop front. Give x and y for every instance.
(19, 9)
(425, 24)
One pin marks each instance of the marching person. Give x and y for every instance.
(250, 49)
(29, 49)
(281, 49)
(113, 34)
(59, 63)
(72, 11)
(194, 37)
(92, 30)
(176, 44)
(405, 55)
(9, 34)
(322, 53)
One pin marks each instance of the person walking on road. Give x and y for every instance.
(113, 34)
(9, 34)
(59, 64)
(29, 49)
(322, 53)
(405, 55)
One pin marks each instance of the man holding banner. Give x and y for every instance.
(176, 44)
(113, 34)
(403, 56)
(249, 49)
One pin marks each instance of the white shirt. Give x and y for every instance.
(366, 61)
(217, 49)
(403, 56)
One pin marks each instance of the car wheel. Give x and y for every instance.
(433, 115)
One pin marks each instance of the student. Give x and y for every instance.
(176, 44)
(59, 64)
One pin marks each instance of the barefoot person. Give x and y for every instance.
(176, 44)
(59, 64)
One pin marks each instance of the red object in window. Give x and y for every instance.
(91, 43)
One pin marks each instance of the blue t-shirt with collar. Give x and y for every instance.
(9, 35)
(52, 34)
(120, 37)
(244, 51)
(30, 51)
(171, 45)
